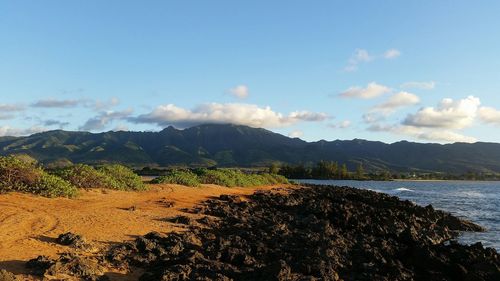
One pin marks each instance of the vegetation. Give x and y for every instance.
(109, 176)
(84, 176)
(323, 170)
(223, 177)
(183, 177)
(24, 175)
(125, 178)
(240, 146)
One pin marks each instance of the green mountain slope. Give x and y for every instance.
(232, 145)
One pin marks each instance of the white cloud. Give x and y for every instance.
(104, 118)
(307, 116)
(392, 54)
(426, 134)
(448, 114)
(340, 125)
(235, 113)
(401, 99)
(489, 115)
(56, 103)
(103, 105)
(11, 107)
(359, 56)
(363, 56)
(58, 123)
(424, 85)
(240, 91)
(371, 91)
(9, 131)
(296, 134)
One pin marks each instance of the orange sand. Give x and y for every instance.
(29, 224)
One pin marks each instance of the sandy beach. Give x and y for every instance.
(30, 224)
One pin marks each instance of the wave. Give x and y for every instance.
(402, 189)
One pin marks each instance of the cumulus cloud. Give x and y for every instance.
(104, 118)
(372, 90)
(392, 54)
(296, 134)
(423, 85)
(15, 132)
(240, 91)
(399, 100)
(489, 115)
(236, 113)
(423, 133)
(448, 114)
(363, 56)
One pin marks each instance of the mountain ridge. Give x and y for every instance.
(238, 145)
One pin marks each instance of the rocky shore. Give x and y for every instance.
(308, 233)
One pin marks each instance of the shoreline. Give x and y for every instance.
(346, 228)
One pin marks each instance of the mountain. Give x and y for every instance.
(234, 145)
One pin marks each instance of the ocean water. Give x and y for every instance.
(477, 201)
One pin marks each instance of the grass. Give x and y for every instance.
(222, 177)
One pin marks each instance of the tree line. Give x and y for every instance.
(321, 170)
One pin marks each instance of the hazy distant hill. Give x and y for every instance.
(232, 145)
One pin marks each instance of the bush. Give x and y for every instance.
(230, 178)
(218, 177)
(17, 174)
(125, 177)
(53, 186)
(84, 176)
(182, 177)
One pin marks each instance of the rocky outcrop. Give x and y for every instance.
(314, 233)
(309, 233)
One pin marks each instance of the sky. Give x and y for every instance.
(424, 71)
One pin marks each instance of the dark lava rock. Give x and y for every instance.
(180, 220)
(39, 265)
(84, 268)
(7, 276)
(313, 233)
(74, 240)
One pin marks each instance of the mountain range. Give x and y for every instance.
(230, 145)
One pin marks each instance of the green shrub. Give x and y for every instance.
(125, 177)
(84, 176)
(54, 186)
(222, 177)
(18, 174)
(182, 177)
(230, 178)
(218, 177)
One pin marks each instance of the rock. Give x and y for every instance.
(310, 233)
(39, 265)
(180, 220)
(75, 241)
(86, 268)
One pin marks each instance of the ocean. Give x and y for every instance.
(478, 201)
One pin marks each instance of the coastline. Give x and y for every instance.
(344, 229)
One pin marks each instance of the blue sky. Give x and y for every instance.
(426, 71)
